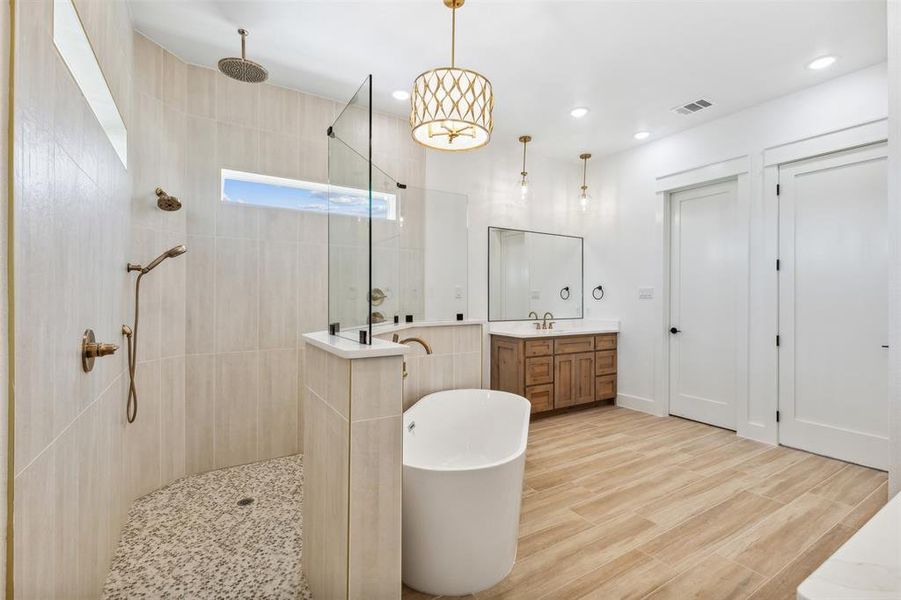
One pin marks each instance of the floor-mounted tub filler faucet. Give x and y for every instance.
(131, 408)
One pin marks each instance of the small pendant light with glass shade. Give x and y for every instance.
(524, 175)
(451, 108)
(584, 197)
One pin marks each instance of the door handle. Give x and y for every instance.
(673, 330)
(885, 345)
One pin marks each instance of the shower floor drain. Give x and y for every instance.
(245, 501)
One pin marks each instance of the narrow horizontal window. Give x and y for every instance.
(254, 189)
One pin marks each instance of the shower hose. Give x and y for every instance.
(131, 407)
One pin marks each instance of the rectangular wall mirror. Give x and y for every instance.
(532, 272)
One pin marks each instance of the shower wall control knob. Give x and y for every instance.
(91, 349)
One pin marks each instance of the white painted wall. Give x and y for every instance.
(894, 191)
(624, 224)
(626, 238)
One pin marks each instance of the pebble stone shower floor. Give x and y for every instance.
(192, 539)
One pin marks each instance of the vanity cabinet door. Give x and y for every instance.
(507, 365)
(573, 379)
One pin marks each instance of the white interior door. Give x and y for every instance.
(833, 306)
(703, 303)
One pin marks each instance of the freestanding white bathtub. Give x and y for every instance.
(464, 454)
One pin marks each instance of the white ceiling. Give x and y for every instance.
(630, 62)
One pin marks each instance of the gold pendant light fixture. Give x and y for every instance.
(451, 107)
(524, 175)
(584, 197)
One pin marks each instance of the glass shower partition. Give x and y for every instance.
(350, 217)
(395, 251)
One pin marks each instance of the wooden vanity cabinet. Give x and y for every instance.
(555, 372)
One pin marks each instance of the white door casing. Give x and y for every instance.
(833, 305)
(705, 264)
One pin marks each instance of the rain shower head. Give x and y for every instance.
(167, 202)
(241, 68)
(170, 253)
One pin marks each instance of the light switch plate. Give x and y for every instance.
(645, 293)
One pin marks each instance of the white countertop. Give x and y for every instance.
(383, 328)
(866, 567)
(526, 329)
(350, 349)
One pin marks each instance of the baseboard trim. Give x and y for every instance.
(646, 405)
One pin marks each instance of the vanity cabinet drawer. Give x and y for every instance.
(605, 387)
(539, 370)
(605, 362)
(539, 347)
(569, 345)
(606, 341)
(541, 397)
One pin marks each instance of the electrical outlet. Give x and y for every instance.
(645, 293)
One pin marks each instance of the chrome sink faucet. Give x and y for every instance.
(544, 321)
(533, 314)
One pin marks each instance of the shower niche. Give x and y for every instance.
(397, 250)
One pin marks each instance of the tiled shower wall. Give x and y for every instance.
(256, 277)
(77, 465)
(219, 351)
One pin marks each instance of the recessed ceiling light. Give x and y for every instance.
(400, 95)
(640, 135)
(579, 112)
(821, 63)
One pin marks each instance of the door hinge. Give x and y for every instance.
(778, 189)
(777, 416)
(777, 340)
(778, 264)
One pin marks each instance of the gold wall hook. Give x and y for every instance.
(91, 349)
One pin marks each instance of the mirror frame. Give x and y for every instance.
(582, 274)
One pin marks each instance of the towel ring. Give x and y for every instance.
(564, 293)
(598, 292)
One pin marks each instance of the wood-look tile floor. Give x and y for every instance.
(618, 504)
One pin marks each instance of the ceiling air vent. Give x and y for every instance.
(692, 107)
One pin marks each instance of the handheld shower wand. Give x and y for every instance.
(131, 408)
